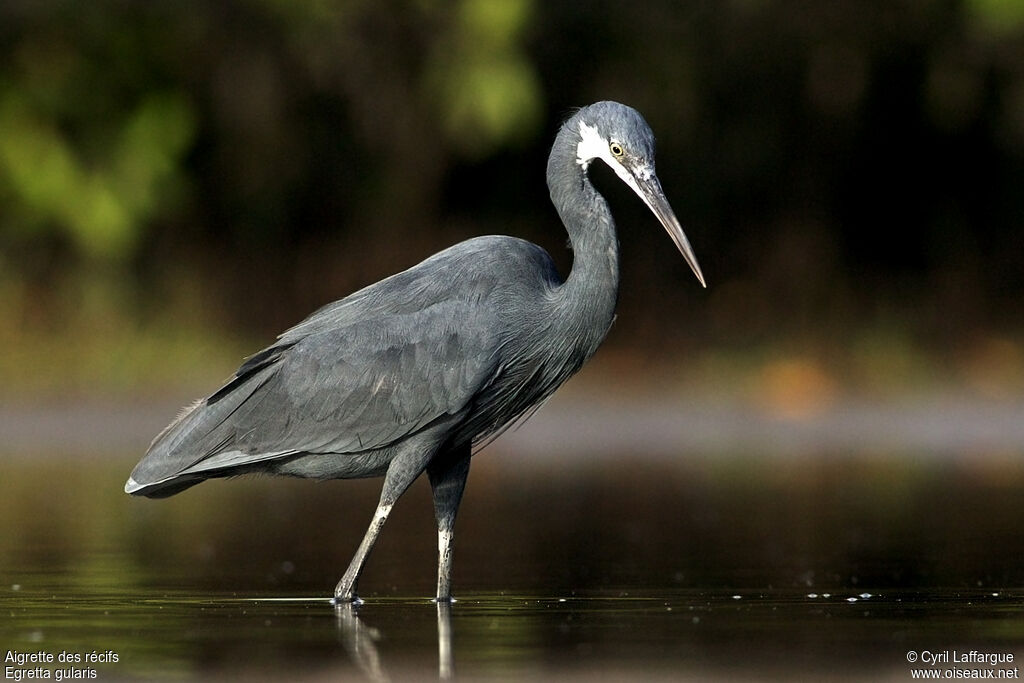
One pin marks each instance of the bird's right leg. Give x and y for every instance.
(401, 473)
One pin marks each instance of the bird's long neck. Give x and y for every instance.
(586, 300)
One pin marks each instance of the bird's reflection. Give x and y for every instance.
(445, 660)
(360, 641)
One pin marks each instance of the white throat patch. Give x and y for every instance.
(592, 146)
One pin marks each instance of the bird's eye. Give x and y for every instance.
(616, 149)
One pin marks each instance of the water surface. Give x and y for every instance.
(739, 567)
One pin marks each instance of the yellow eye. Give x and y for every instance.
(616, 149)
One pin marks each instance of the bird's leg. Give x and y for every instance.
(346, 588)
(401, 473)
(447, 482)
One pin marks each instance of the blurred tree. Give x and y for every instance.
(93, 146)
(100, 202)
(837, 164)
(480, 80)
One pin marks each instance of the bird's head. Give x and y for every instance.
(619, 136)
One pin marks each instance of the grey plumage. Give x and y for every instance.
(409, 374)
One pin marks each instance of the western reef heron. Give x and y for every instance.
(412, 373)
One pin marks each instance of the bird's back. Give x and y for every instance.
(441, 341)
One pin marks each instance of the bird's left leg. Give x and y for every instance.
(447, 482)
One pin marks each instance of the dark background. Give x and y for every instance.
(839, 415)
(172, 173)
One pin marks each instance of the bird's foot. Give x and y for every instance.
(345, 593)
(444, 600)
(352, 599)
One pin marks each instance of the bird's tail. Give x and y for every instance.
(198, 444)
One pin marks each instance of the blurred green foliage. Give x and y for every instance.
(480, 80)
(101, 203)
(841, 167)
(997, 15)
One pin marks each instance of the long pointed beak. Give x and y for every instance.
(650, 191)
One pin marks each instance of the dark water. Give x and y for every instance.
(824, 567)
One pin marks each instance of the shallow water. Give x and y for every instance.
(726, 568)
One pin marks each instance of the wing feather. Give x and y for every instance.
(344, 390)
(365, 372)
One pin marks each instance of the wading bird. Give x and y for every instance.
(411, 373)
